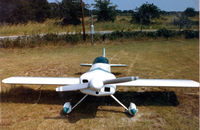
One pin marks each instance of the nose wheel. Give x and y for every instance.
(132, 109)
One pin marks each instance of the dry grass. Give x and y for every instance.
(53, 26)
(158, 108)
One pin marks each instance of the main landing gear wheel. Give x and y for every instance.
(67, 108)
(132, 109)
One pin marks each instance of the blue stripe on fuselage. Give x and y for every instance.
(99, 69)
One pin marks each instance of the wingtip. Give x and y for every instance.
(4, 81)
(8, 80)
(134, 78)
(197, 84)
(58, 89)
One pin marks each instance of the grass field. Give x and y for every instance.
(121, 23)
(28, 107)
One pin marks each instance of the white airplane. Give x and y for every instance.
(99, 81)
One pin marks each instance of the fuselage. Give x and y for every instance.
(99, 72)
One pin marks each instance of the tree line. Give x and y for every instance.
(22, 11)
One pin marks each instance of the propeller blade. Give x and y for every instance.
(120, 80)
(72, 87)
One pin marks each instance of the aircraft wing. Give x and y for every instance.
(41, 80)
(160, 83)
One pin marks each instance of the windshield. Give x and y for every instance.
(101, 60)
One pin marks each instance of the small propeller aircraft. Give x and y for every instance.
(99, 81)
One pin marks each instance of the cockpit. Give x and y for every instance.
(101, 60)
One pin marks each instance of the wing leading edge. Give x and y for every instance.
(41, 80)
(160, 83)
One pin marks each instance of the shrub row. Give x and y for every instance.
(55, 39)
(153, 34)
(37, 40)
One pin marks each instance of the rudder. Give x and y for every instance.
(104, 52)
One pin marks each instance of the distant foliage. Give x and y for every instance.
(163, 32)
(145, 13)
(40, 9)
(22, 11)
(70, 12)
(182, 21)
(105, 11)
(55, 10)
(191, 34)
(125, 12)
(190, 12)
(54, 39)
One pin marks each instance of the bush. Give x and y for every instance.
(163, 32)
(51, 37)
(105, 10)
(191, 34)
(37, 40)
(73, 38)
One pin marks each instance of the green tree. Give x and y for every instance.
(190, 12)
(14, 12)
(105, 11)
(40, 9)
(182, 21)
(55, 12)
(22, 11)
(145, 13)
(70, 12)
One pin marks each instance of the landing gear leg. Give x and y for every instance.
(132, 108)
(67, 108)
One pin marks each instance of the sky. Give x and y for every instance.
(167, 5)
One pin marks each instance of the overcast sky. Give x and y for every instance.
(167, 5)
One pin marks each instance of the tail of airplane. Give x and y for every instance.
(104, 52)
(104, 55)
(112, 65)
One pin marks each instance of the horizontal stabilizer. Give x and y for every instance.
(160, 83)
(41, 80)
(111, 65)
(88, 65)
(118, 65)
(72, 87)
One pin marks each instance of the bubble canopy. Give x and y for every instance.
(101, 60)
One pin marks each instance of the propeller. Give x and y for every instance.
(94, 84)
(120, 80)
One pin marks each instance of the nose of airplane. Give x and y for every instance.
(96, 84)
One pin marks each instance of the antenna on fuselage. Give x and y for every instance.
(104, 52)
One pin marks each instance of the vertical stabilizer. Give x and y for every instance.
(104, 52)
